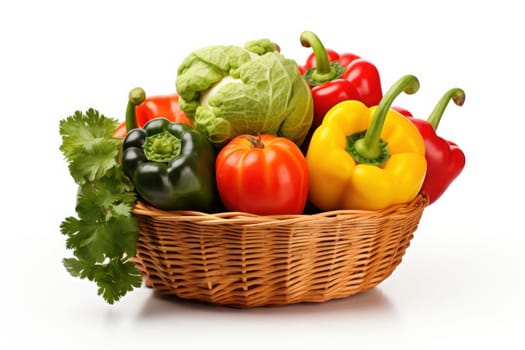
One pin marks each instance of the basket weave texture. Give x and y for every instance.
(245, 260)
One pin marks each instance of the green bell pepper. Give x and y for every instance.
(171, 165)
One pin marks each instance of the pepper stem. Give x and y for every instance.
(162, 147)
(369, 147)
(136, 96)
(455, 94)
(324, 69)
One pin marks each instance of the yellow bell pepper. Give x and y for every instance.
(366, 158)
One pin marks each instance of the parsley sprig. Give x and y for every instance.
(103, 236)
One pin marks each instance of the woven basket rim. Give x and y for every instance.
(142, 208)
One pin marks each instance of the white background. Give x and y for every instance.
(461, 283)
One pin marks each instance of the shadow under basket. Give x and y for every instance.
(243, 260)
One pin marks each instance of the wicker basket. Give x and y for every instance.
(244, 260)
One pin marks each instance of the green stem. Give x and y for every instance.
(368, 147)
(324, 70)
(162, 147)
(136, 96)
(455, 94)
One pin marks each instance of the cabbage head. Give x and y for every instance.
(231, 90)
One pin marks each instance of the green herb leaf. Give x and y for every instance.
(103, 236)
(80, 130)
(91, 163)
(111, 197)
(114, 278)
(88, 145)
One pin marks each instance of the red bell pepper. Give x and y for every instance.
(445, 160)
(337, 77)
(147, 108)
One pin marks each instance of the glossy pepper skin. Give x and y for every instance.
(366, 157)
(171, 165)
(445, 160)
(147, 108)
(337, 77)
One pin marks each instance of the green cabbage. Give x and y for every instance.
(230, 90)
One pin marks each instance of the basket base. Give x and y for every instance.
(171, 297)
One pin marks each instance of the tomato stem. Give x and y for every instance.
(256, 141)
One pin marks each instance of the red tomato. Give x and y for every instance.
(262, 175)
